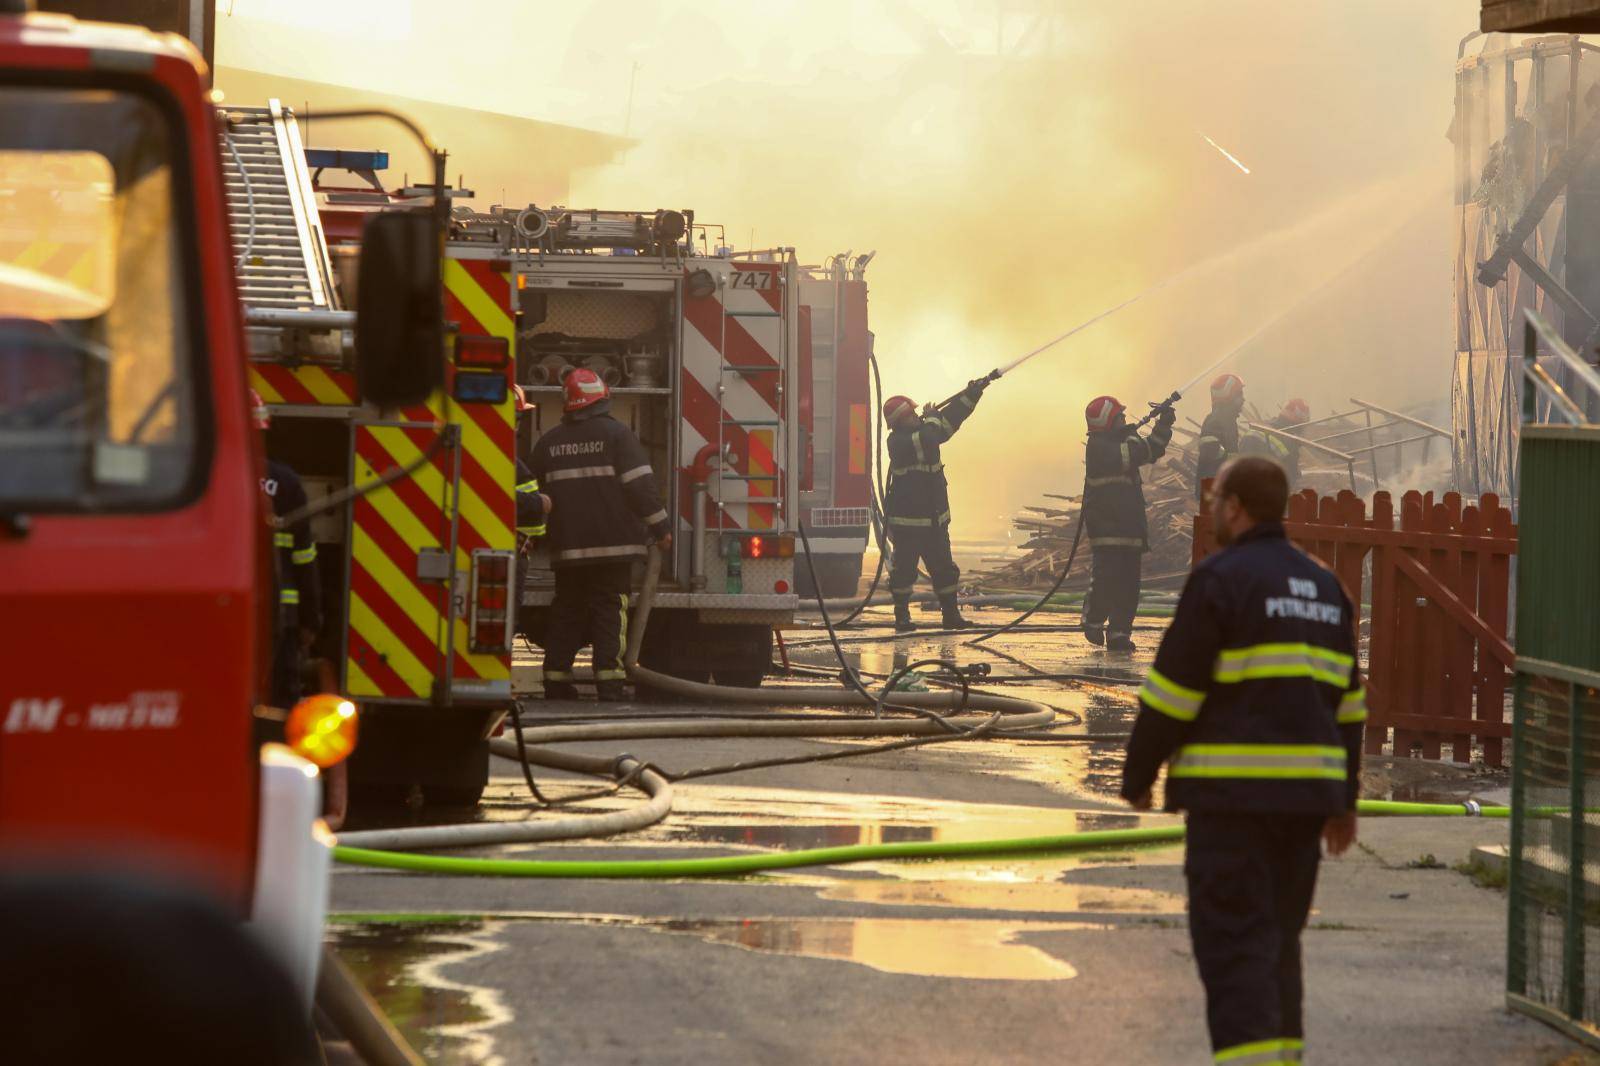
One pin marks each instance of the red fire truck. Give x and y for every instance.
(135, 544)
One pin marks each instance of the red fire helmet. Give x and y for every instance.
(258, 411)
(898, 408)
(1297, 411)
(1102, 412)
(1227, 388)
(584, 388)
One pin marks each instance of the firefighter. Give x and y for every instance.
(299, 588)
(918, 503)
(1282, 450)
(1114, 516)
(1219, 434)
(1255, 697)
(603, 500)
(533, 506)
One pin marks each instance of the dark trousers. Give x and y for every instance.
(1114, 589)
(931, 545)
(1251, 878)
(590, 605)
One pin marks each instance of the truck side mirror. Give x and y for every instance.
(399, 310)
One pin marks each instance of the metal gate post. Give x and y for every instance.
(1572, 960)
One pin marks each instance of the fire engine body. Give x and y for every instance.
(836, 424)
(702, 353)
(135, 546)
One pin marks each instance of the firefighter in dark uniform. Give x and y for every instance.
(918, 503)
(1281, 450)
(533, 507)
(298, 616)
(1114, 516)
(603, 501)
(1219, 433)
(1255, 703)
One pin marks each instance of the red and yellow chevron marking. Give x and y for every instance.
(86, 264)
(397, 639)
(758, 446)
(305, 385)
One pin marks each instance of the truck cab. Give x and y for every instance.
(136, 581)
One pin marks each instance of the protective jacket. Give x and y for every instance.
(602, 492)
(1255, 694)
(1113, 496)
(530, 509)
(295, 563)
(1281, 450)
(918, 493)
(1219, 442)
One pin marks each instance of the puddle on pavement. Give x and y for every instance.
(404, 966)
(974, 950)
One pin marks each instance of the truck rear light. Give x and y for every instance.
(480, 351)
(493, 606)
(768, 546)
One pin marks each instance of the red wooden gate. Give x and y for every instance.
(1434, 597)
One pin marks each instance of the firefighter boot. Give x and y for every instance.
(902, 615)
(560, 690)
(1119, 642)
(610, 692)
(951, 613)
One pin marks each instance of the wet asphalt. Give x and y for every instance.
(1080, 958)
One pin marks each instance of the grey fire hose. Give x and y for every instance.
(1018, 714)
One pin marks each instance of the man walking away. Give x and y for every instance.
(1219, 433)
(603, 500)
(918, 504)
(1256, 698)
(1114, 516)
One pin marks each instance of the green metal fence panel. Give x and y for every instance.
(1553, 943)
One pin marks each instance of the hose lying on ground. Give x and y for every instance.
(1016, 713)
(739, 865)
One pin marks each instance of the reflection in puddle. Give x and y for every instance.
(1009, 895)
(975, 950)
(403, 964)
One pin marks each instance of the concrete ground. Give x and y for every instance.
(1069, 958)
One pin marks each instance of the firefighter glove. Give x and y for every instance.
(1165, 415)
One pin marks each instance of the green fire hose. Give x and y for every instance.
(739, 865)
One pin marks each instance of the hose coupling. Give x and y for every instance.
(1473, 807)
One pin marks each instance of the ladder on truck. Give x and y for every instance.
(776, 428)
(285, 275)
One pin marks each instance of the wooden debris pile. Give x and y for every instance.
(1169, 491)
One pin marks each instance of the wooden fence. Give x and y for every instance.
(1435, 591)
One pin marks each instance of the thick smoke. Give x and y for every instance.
(1019, 166)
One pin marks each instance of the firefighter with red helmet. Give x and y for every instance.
(299, 587)
(604, 506)
(1219, 434)
(1282, 450)
(1114, 516)
(918, 499)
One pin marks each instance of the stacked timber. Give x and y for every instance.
(1047, 528)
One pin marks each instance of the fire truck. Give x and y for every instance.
(136, 606)
(835, 423)
(714, 359)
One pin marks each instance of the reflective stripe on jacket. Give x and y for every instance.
(918, 494)
(530, 509)
(1113, 496)
(603, 495)
(1255, 695)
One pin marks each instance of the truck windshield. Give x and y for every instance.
(97, 407)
